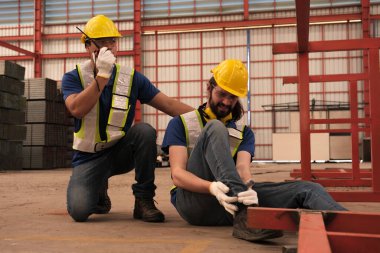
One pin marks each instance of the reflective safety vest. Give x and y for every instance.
(193, 124)
(88, 139)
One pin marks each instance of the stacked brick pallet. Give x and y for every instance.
(46, 145)
(12, 115)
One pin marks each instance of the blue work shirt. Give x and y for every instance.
(175, 136)
(142, 90)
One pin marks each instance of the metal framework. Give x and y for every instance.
(221, 22)
(302, 48)
(322, 231)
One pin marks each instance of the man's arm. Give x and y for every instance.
(181, 177)
(169, 105)
(243, 162)
(80, 104)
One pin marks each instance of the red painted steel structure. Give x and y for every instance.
(341, 177)
(322, 231)
(302, 50)
(224, 23)
(37, 38)
(137, 47)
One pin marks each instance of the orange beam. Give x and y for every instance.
(328, 45)
(17, 49)
(312, 234)
(327, 78)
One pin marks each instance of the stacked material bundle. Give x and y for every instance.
(12, 115)
(47, 123)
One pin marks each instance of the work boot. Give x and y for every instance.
(241, 230)
(146, 210)
(104, 203)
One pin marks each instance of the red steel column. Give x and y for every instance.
(354, 130)
(366, 34)
(303, 98)
(37, 38)
(303, 10)
(137, 47)
(374, 94)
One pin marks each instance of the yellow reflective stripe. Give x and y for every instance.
(81, 132)
(129, 95)
(238, 143)
(97, 130)
(112, 103)
(125, 116)
(186, 130)
(199, 119)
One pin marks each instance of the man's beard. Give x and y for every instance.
(218, 113)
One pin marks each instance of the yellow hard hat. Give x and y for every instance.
(100, 26)
(232, 76)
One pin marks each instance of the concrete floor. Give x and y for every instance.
(34, 219)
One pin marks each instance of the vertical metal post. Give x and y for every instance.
(353, 90)
(303, 98)
(374, 93)
(249, 78)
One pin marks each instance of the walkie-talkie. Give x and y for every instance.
(93, 41)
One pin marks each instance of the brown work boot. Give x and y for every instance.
(241, 230)
(104, 203)
(146, 210)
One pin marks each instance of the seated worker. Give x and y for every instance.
(210, 156)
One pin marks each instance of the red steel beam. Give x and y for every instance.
(312, 236)
(328, 45)
(327, 78)
(331, 174)
(355, 196)
(335, 221)
(336, 130)
(273, 218)
(80, 55)
(352, 242)
(344, 183)
(249, 23)
(346, 231)
(353, 222)
(17, 49)
(17, 38)
(302, 16)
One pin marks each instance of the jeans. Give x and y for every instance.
(137, 149)
(211, 160)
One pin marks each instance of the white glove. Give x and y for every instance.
(248, 197)
(104, 62)
(219, 190)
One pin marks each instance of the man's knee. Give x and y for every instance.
(79, 204)
(216, 126)
(307, 186)
(78, 211)
(146, 129)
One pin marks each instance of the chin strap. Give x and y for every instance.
(210, 115)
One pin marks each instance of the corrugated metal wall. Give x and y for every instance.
(179, 63)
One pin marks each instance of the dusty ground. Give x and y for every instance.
(34, 219)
